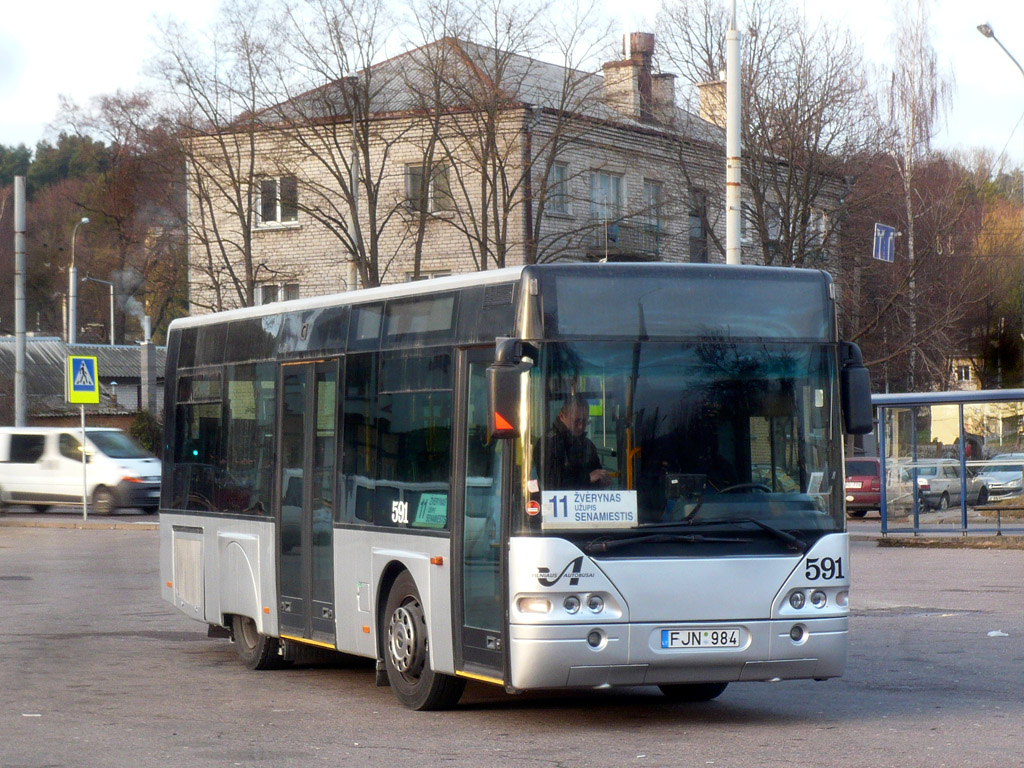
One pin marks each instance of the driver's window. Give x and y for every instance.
(70, 448)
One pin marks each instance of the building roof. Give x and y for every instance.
(46, 364)
(397, 84)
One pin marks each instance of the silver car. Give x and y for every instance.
(938, 483)
(1003, 474)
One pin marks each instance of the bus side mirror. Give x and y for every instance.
(854, 390)
(503, 400)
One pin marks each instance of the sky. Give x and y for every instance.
(50, 48)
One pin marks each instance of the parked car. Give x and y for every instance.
(42, 466)
(863, 485)
(938, 483)
(1004, 474)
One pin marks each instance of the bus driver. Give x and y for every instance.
(570, 460)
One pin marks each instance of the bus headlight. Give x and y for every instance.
(571, 604)
(818, 598)
(797, 600)
(534, 605)
(595, 603)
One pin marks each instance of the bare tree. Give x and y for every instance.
(341, 114)
(138, 200)
(804, 117)
(507, 118)
(218, 85)
(918, 97)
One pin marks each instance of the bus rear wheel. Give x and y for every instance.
(406, 652)
(257, 651)
(693, 692)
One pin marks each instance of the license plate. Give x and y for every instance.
(153, 494)
(726, 637)
(853, 484)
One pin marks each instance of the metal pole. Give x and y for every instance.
(85, 460)
(733, 159)
(111, 314)
(987, 31)
(20, 406)
(73, 286)
(352, 276)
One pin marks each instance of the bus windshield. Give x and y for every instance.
(709, 436)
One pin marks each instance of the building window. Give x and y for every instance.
(558, 189)
(427, 274)
(605, 196)
(963, 373)
(817, 228)
(268, 293)
(436, 196)
(278, 200)
(773, 214)
(748, 224)
(698, 226)
(652, 203)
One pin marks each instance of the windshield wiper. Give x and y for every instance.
(795, 542)
(605, 545)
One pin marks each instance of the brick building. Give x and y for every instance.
(515, 161)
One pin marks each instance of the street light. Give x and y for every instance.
(987, 31)
(106, 282)
(73, 286)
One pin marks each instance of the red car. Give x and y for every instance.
(863, 486)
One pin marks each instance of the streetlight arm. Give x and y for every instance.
(987, 31)
(1012, 58)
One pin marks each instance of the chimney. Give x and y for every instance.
(664, 97)
(712, 102)
(148, 369)
(631, 88)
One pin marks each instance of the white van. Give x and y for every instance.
(42, 466)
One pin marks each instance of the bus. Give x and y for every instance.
(368, 473)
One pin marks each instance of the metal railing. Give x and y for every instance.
(624, 238)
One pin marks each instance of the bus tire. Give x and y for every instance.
(256, 651)
(407, 652)
(693, 692)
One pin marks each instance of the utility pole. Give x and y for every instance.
(20, 394)
(733, 150)
(73, 286)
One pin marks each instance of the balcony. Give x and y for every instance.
(623, 241)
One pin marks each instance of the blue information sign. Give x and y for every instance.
(884, 241)
(83, 380)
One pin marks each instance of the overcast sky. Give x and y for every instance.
(54, 47)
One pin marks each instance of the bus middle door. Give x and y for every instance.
(306, 464)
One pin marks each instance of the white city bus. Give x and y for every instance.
(362, 473)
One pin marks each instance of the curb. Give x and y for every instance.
(102, 525)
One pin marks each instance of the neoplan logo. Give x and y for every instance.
(572, 569)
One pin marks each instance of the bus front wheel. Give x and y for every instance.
(406, 652)
(693, 692)
(257, 651)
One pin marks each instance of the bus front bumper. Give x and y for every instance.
(597, 655)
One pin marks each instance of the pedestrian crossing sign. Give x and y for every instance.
(83, 380)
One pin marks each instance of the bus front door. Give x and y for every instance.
(480, 603)
(306, 463)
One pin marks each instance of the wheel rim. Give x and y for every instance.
(406, 643)
(249, 636)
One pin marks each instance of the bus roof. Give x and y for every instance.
(513, 274)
